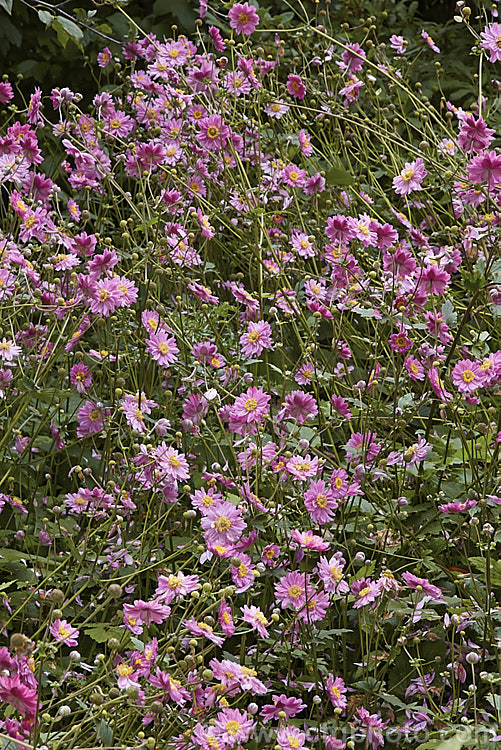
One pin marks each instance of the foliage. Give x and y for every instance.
(250, 365)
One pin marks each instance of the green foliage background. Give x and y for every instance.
(48, 43)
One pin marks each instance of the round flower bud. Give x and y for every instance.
(64, 711)
(472, 658)
(252, 708)
(97, 699)
(75, 655)
(57, 613)
(360, 557)
(115, 590)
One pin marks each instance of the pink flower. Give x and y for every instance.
(90, 419)
(320, 502)
(290, 738)
(373, 725)
(217, 39)
(232, 725)
(490, 41)
(203, 630)
(429, 41)
(290, 590)
(424, 585)
(250, 406)
(225, 619)
(170, 686)
(104, 57)
(467, 376)
(162, 347)
(486, 167)
(336, 690)
(365, 591)
(80, 377)
(438, 385)
(474, 135)
(353, 58)
(340, 405)
(213, 132)
(309, 540)
(399, 44)
(414, 368)
(105, 297)
(223, 524)
(362, 445)
(63, 632)
(400, 343)
(255, 617)
(18, 695)
(257, 338)
(294, 176)
(242, 574)
(302, 468)
(410, 178)
(300, 406)
(295, 86)
(147, 612)
(290, 706)
(330, 573)
(9, 350)
(243, 18)
(457, 507)
(172, 463)
(6, 92)
(433, 279)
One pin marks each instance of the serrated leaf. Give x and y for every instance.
(337, 176)
(101, 634)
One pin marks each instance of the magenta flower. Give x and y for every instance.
(172, 463)
(414, 368)
(400, 343)
(162, 347)
(365, 592)
(474, 135)
(491, 37)
(362, 445)
(320, 502)
(63, 632)
(486, 167)
(6, 92)
(243, 18)
(300, 406)
(295, 86)
(80, 377)
(340, 405)
(105, 297)
(104, 57)
(256, 338)
(410, 178)
(467, 376)
(18, 695)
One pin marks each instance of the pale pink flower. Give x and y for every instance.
(243, 18)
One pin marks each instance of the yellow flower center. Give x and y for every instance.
(212, 131)
(222, 523)
(468, 376)
(163, 347)
(250, 404)
(295, 591)
(407, 174)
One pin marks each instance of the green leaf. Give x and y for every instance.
(6, 5)
(453, 743)
(101, 633)
(66, 29)
(105, 733)
(45, 17)
(337, 176)
(450, 316)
